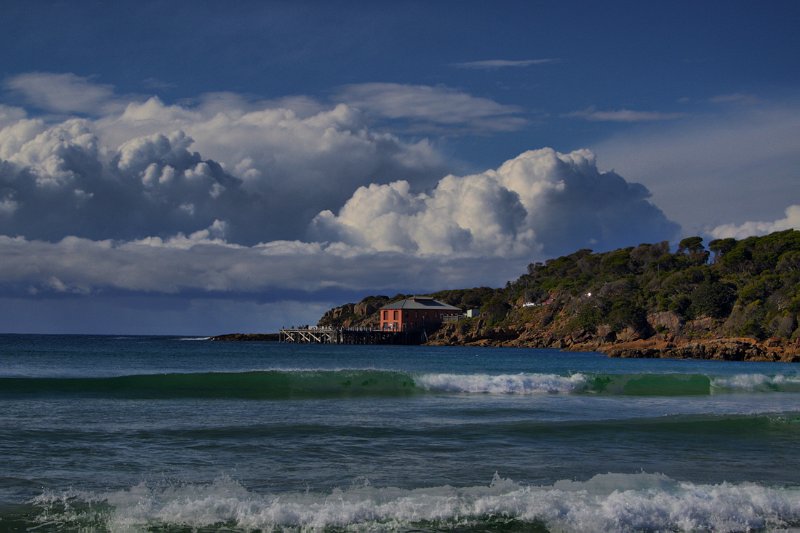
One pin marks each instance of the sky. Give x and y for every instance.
(195, 168)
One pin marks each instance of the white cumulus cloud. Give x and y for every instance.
(755, 228)
(137, 170)
(60, 181)
(294, 163)
(539, 202)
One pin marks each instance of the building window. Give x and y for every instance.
(395, 315)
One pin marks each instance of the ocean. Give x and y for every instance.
(102, 433)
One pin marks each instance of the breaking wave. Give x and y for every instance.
(757, 383)
(609, 502)
(290, 384)
(608, 384)
(502, 384)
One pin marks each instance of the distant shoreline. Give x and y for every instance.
(246, 337)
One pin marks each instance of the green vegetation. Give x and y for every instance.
(751, 287)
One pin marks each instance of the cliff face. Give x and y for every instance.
(741, 303)
(361, 314)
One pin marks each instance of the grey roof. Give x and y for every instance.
(421, 302)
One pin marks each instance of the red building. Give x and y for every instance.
(419, 312)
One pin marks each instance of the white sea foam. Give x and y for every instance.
(194, 338)
(757, 382)
(610, 502)
(501, 384)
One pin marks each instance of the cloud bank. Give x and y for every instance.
(154, 216)
(260, 171)
(232, 198)
(202, 264)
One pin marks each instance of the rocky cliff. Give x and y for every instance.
(682, 343)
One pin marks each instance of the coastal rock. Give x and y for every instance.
(362, 309)
(628, 334)
(664, 321)
(605, 333)
(726, 349)
(700, 327)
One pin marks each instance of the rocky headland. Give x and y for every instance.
(736, 301)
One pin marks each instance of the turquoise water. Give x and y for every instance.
(176, 434)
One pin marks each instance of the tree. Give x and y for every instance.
(691, 245)
(721, 247)
(693, 248)
(495, 309)
(712, 298)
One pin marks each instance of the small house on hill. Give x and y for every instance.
(419, 312)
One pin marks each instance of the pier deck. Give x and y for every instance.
(312, 335)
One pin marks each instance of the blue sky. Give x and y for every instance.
(198, 167)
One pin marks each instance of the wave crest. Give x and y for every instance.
(609, 502)
(757, 383)
(502, 384)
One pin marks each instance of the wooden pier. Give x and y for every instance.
(312, 335)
